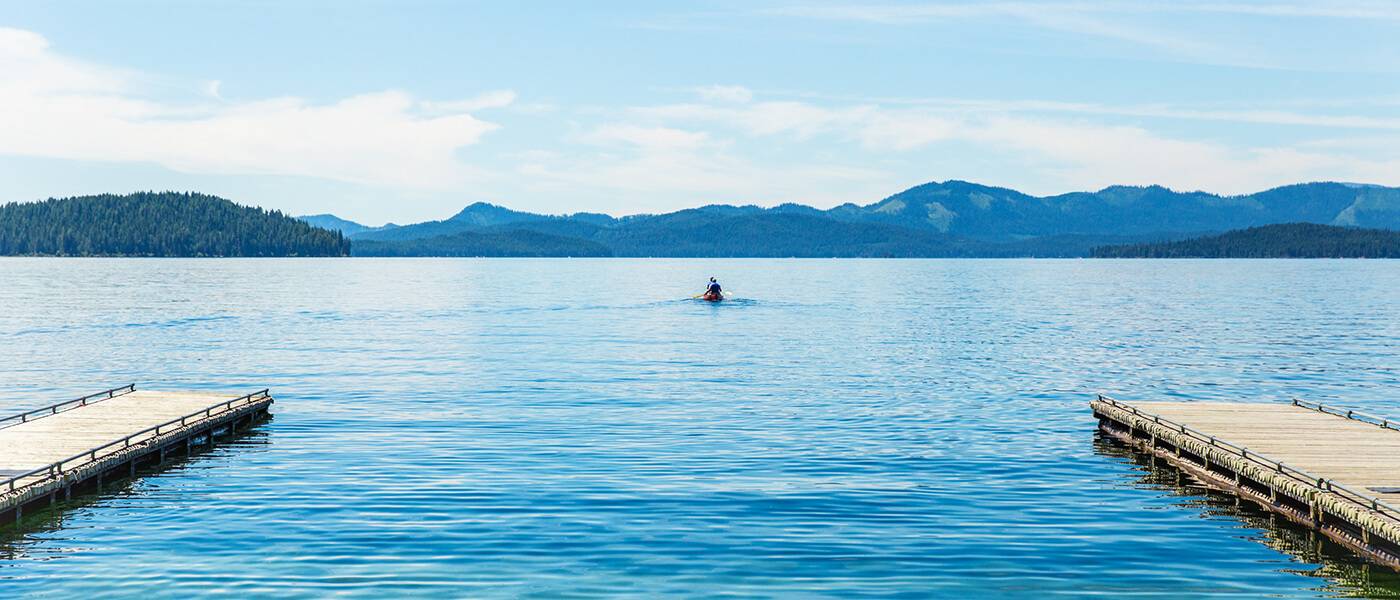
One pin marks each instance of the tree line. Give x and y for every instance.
(158, 224)
(1289, 240)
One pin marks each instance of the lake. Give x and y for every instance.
(577, 428)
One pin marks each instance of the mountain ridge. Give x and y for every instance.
(949, 218)
(344, 226)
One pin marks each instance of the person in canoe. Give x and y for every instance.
(713, 293)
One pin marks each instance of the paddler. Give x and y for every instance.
(713, 291)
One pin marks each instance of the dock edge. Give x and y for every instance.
(1355, 520)
(87, 470)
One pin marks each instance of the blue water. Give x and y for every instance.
(576, 428)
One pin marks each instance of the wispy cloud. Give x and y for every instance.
(483, 101)
(645, 137)
(1137, 22)
(725, 93)
(911, 13)
(1325, 9)
(660, 168)
(1288, 112)
(55, 107)
(1039, 144)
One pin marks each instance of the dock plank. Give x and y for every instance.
(77, 441)
(1354, 453)
(43, 441)
(1341, 470)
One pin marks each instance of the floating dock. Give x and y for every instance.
(1334, 470)
(51, 453)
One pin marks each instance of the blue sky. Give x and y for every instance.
(409, 110)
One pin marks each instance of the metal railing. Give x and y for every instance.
(66, 405)
(57, 468)
(1320, 483)
(1354, 415)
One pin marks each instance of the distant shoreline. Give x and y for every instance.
(793, 258)
(952, 219)
(1287, 240)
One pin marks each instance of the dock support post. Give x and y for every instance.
(131, 469)
(19, 512)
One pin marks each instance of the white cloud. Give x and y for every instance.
(483, 101)
(28, 66)
(55, 107)
(728, 145)
(1081, 18)
(646, 137)
(801, 119)
(657, 168)
(1327, 9)
(1135, 22)
(929, 11)
(1051, 154)
(725, 93)
(1255, 113)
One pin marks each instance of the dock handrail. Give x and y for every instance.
(1346, 413)
(1320, 483)
(56, 468)
(66, 405)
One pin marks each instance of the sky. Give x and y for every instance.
(409, 110)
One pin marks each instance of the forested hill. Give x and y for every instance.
(951, 218)
(1289, 240)
(158, 224)
(948, 219)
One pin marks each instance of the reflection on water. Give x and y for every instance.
(45, 525)
(1346, 574)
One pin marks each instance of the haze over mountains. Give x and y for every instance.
(952, 218)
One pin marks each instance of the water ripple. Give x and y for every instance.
(892, 429)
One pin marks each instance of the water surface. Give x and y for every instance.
(552, 428)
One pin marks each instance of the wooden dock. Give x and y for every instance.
(51, 453)
(1335, 470)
